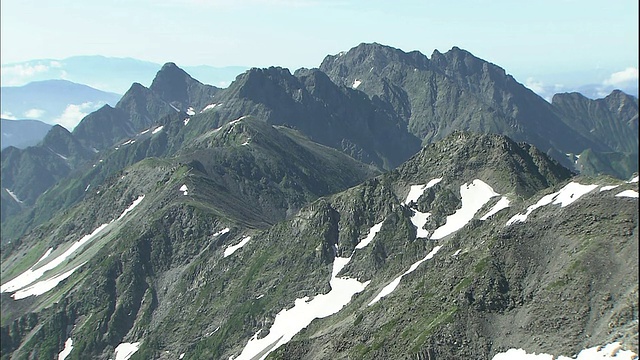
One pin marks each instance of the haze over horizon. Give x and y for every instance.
(527, 39)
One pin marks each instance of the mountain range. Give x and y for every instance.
(53, 101)
(24, 133)
(116, 74)
(384, 205)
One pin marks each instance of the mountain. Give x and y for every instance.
(22, 133)
(457, 90)
(53, 101)
(100, 130)
(315, 215)
(613, 119)
(28, 173)
(116, 74)
(474, 246)
(309, 102)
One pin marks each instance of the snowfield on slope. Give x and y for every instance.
(25, 285)
(233, 248)
(611, 351)
(474, 196)
(125, 350)
(565, 197)
(289, 322)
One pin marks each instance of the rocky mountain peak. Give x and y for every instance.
(372, 56)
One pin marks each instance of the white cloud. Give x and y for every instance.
(535, 85)
(73, 114)
(34, 114)
(8, 116)
(23, 70)
(623, 77)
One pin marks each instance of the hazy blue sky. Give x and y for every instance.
(530, 39)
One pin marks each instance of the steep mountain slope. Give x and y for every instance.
(457, 90)
(22, 133)
(246, 175)
(29, 172)
(614, 121)
(176, 269)
(309, 102)
(99, 131)
(180, 90)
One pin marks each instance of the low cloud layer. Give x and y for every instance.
(8, 116)
(34, 114)
(74, 113)
(624, 77)
(19, 74)
(625, 80)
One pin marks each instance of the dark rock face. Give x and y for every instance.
(103, 128)
(458, 91)
(178, 88)
(331, 115)
(613, 120)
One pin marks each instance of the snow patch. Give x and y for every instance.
(233, 122)
(181, 356)
(46, 254)
(144, 132)
(223, 231)
(32, 274)
(158, 129)
(22, 284)
(190, 111)
(288, 323)
(186, 121)
(565, 196)
(174, 108)
(125, 350)
(474, 196)
(419, 219)
(608, 352)
(634, 180)
(13, 195)
(417, 190)
(356, 83)
(209, 107)
(87, 188)
(130, 141)
(133, 205)
(372, 233)
(184, 189)
(43, 286)
(233, 248)
(608, 187)
(68, 346)
(628, 193)
(457, 252)
(503, 203)
(394, 284)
